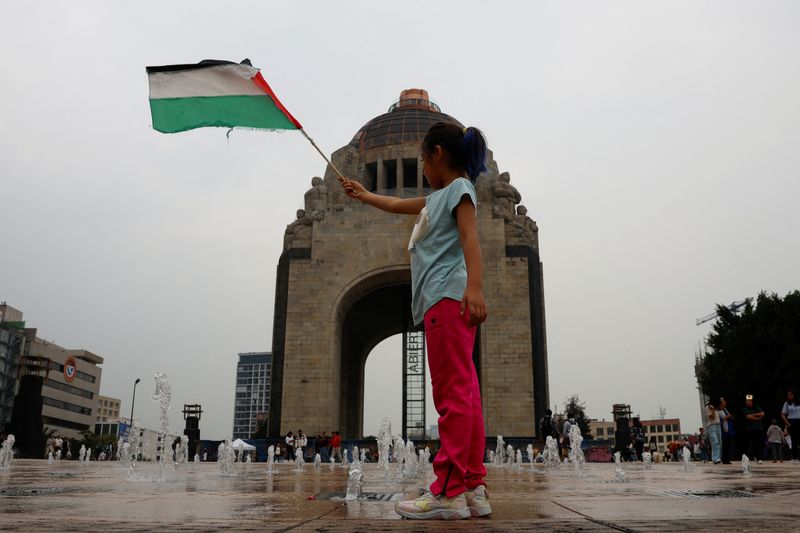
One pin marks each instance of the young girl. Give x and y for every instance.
(447, 295)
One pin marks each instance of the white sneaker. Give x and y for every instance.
(478, 501)
(430, 507)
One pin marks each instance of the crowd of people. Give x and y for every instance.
(716, 442)
(780, 439)
(327, 446)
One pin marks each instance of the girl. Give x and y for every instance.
(714, 431)
(447, 296)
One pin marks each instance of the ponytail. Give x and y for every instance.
(474, 148)
(465, 146)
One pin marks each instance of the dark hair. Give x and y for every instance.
(465, 146)
(794, 395)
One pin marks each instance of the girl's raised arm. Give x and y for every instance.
(390, 204)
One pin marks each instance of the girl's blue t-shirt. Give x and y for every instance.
(437, 260)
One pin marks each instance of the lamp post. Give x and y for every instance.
(133, 400)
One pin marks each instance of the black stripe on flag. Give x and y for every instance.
(203, 64)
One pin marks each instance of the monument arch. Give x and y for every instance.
(343, 285)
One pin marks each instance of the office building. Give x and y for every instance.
(107, 409)
(12, 342)
(71, 384)
(251, 403)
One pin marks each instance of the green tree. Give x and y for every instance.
(575, 408)
(96, 443)
(754, 352)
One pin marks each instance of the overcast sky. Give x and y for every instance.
(656, 144)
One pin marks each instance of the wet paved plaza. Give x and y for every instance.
(68, 496)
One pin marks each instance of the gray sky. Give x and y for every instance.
(655, 143)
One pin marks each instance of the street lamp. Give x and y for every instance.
(133, 400)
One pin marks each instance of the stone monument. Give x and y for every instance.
(343, 286)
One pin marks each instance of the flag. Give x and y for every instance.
(214, 93)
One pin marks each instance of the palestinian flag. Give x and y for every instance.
(214, 93)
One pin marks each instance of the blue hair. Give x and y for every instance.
(474, 149)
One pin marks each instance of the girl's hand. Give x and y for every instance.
(352, 188)
(472, 302)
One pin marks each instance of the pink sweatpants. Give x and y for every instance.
(459, 463)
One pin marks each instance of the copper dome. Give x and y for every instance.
(407, 121)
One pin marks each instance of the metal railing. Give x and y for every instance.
(412, 103)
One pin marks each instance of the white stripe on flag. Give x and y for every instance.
(221, 80)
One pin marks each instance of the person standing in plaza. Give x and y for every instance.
(447, 296)
(776, 441)
(728, 431)
(546, 425)
(336, 446)
(300, 443)
(755, 430)
(289, 446)
(637, 436)
(324, 443)
(714, 431)
(791, 418)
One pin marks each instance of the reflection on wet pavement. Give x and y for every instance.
(68, 496)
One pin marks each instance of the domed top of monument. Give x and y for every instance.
(407, 121)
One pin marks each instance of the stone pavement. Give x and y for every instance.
(67, 496)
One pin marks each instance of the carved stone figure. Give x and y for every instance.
(299, 230)
(529, 227)
(316, 199)
(506, 196)
(522, 230)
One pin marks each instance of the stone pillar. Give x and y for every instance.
(400, 175)
(381, 185)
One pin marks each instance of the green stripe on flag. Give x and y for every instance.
(171, 115)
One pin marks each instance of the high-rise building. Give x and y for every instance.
(251, 404)
(12, 341)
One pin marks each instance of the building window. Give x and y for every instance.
(66, 406)
(68, 388)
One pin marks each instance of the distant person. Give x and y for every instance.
(755, 430)
(728, 431)
(637, 436)
(702, 445)
(776, 441)
(290, 446)
(546, 425)
(447, 297)
(714, 430)
(300, 443)
(336, 446)
(567, 426)
(324, 444)
(791, 418)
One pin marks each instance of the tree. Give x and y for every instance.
(754, 352)
(575, 408)
(96, 443)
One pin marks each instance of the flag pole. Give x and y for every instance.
(341, 176)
